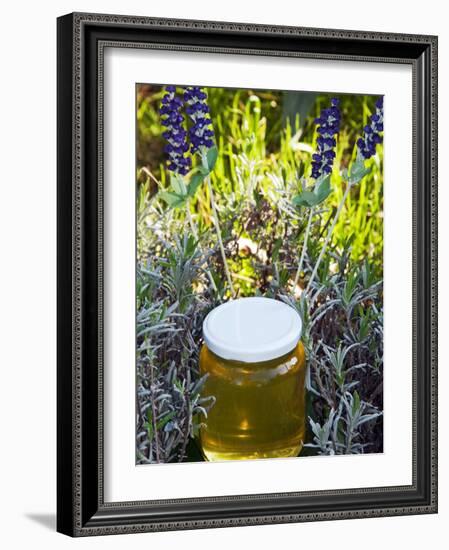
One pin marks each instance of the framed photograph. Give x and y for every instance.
(247, 274)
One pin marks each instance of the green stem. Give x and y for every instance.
(195, 234)
(151, 176)
(154, 418)
(217, 223)
(304, 248)
(328, 237)
(217, 228)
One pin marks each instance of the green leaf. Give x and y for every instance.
(163, 421)
(321, 191)
(358, 170)
(190, 246)
(350, 287)
(355, 403)
(276, 247)
(148, 424)
(173, 200)
(322, 188)
(178, 184)
(203, 170)
(306, 198)
(149, 428)
(211, 156)
(195, 181)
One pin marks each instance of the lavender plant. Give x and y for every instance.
(323, 159)
(365, 149)
(341, 432)
(329, 126)
(371, 137)
(201, 133)
(178, 164)
(201, 142)
(346, 361)
(172, 119)
(170, 406)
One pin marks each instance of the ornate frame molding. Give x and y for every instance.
(81, 41)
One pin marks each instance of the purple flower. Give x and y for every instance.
(371, 132)
(201, 133)
(175, 134)
(329, 126)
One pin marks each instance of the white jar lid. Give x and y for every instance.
(252, 329)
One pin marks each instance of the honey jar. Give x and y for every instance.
(255, 364)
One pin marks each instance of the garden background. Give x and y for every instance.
(265, 142)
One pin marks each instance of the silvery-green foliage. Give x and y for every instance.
(342, 334)
(356, 414)
(345, 351)
(340, 433)
(325, 436)
(170, 405)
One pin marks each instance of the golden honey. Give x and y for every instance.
(260, 406)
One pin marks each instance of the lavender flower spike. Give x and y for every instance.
(201, 133)
(371, 136)
(175, 134)
(329, 126)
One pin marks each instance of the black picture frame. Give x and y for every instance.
(81, 509)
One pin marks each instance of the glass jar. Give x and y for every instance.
(256, 368)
